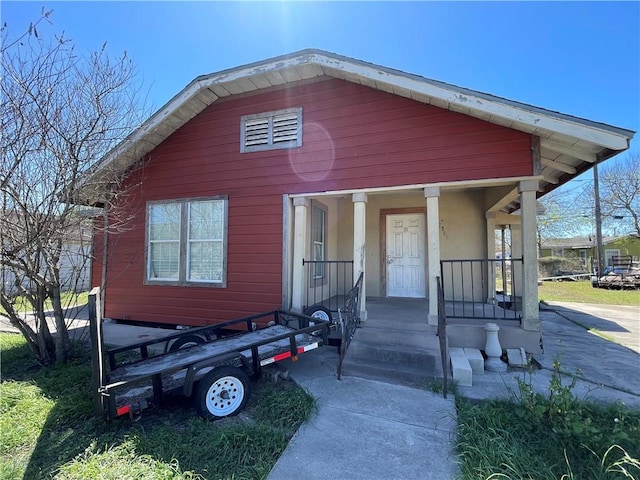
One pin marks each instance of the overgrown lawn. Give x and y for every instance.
(548, 437)
(47, 429)
(583, 292)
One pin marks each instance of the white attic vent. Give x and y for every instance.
(271, 130)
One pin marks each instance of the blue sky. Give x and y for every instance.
(580, 58)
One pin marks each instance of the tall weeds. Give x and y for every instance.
(553, 435)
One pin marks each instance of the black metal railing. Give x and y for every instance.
(481, 288)
(328, 282)
(349, 319)
(442, 338)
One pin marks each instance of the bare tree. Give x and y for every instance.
(563, 217)
(620, 194)
(60, 113)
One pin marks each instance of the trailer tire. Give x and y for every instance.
(318, 311)
(185, 342)
(223, 392)
(323, 313)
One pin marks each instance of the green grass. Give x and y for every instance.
(583, 292)
(68, 299)
(548, 437)
(496, 441)
(47, 429)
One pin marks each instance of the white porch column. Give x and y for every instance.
(530, 311)
(432, 196)
(359, 246)
(491, 255)
(301, 206)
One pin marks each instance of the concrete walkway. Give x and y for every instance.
(619, 322)
(365, 429)
(606, 371)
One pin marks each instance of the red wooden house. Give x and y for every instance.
(314, 156)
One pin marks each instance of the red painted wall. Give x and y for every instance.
(354, 137)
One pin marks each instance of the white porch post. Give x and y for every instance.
(359, 246)
(300, 206)
(530, 311)
(491, 255)
(432, 196)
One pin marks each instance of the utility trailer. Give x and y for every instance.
(207, 363)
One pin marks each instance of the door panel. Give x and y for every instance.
(405, 255)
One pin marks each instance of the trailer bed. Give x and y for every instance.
(182, 359)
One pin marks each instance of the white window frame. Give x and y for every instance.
(609, 253)
(184, 256)
(321, 277)
(583, 256)
(557, 252)
(269, 120)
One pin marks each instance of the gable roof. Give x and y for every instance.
(569, 145)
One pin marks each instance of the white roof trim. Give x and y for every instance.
(579, 138)
(519, 113)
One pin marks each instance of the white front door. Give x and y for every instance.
(405, 255)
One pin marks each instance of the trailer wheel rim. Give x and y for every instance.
(322, 315)
(225, 396)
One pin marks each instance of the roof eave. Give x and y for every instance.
(605, 140)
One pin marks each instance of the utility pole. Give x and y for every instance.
(596, 194)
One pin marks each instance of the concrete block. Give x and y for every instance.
(476, 360)
(517, 357)
(460, 368)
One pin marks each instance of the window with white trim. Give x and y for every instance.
(186, 242)
(557, 252)
(318, 240)
(271, 130)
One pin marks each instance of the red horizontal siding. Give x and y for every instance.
(354, 137)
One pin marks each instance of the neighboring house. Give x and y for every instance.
(247, 172)
(585, 249)
(75, 262)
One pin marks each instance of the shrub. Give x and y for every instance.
(551, 266)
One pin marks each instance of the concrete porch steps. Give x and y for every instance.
(406, 356)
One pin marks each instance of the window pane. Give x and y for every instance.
(204, 234)
(205, 261)
(164, 221)
(206, 220)
(318, 255)
(164, 259)
(317, 225)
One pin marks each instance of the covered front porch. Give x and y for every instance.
(401, 238)
(396, 343)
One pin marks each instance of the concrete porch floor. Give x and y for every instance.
(410, 314)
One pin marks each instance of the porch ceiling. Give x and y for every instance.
(569, 145)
